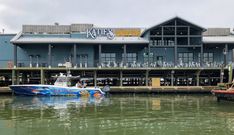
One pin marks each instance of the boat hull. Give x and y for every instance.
(224, 94)
(51, 90)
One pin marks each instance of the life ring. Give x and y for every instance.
(97, 94)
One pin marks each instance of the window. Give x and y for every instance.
(130, 57)
(185, 57)
(169, 41)
(207, 57)
(159, 60)
(83, 58)
(108, 57)
(150, 58)
(195, 40)
(156, 31)
(156, 41)
(182, 31)
(169, 30)
(182, 41)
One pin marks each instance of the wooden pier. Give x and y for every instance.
(121, 77)
(5, 90)
(164, 89)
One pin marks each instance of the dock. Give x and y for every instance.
(5, 90)
(163, 89)
(147, 89)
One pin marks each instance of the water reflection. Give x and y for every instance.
(131, 114)
(29, 103)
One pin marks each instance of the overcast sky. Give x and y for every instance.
(114, 13)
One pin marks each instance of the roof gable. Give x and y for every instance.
(171, 20)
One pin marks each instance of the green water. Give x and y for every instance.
(116, 115)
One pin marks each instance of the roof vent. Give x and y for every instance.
(232, 31)
(56, 24)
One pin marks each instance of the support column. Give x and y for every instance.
(188, 35)
(198, 77)
(121, 78)
(99, 54)
(221, 74)
(162, 39)
(15, 56)
(95, 78)
(13, 77)
(175, 49)
(232, 55)
(42, 76)
(225, 52)
(125, 54)
(37, 57)
(17, 77)
(49, 56)
(172, 77)
(149, 55)
(230, 74)
(201, 56)
(175, 55)
(74, 56)
(30, 60)
(147, 78)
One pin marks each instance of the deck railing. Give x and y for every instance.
(134, 64)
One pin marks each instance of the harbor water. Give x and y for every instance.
(116, 115)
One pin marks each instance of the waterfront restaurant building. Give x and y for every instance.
(175, 52)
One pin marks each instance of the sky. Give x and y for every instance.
(114, 13)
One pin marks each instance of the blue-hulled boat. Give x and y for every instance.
(60, 88)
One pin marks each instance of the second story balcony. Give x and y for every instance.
(120, 65)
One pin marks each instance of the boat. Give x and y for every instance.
(61, 87)
(224, 92)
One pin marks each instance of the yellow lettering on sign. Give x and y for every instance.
(127, 32)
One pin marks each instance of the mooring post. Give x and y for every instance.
(95, 78)
(121, 78)
(147, 78)
(172, 77)
(230, 74)
(198, 77)
(42, 77)
(221, 74)
(17, 77)
(13, 77)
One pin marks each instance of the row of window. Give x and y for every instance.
(111, 57)
(170, 41)
(131, 57)
(188, 57)
(182, 57)
(172, 30)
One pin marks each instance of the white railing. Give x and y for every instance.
(134, 64)
(160, 64)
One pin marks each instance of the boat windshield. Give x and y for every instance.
(63, 81)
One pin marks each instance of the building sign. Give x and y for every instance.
(100, 32)
(125, 32)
